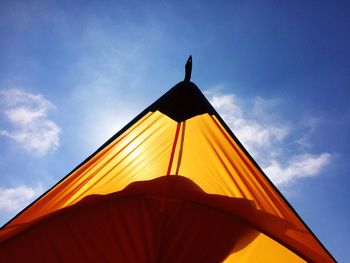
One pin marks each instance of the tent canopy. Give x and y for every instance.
(175, 185)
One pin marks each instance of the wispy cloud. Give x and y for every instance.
(259, 137)
(30, 126)
(267, 138)
(303, 165)
(13, 199)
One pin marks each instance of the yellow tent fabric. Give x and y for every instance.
(182, 136)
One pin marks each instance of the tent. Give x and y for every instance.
(174, 185)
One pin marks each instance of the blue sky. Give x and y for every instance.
(73, 74)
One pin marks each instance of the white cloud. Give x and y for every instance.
(304, 165)
(267, 138)
(27, 114)
(311, 125)
(13, 199)
(257, 136)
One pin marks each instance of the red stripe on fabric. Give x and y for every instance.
(173, 149)
(170, 165)
(182, 139)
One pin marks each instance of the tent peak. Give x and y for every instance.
(182, 102)
(188, 69)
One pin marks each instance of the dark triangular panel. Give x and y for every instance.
(182, 102)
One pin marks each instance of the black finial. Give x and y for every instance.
(188, 69)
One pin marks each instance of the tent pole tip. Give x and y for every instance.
(188, 69)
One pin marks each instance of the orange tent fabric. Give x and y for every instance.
(174, 185)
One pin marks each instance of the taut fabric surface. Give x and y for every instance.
(175, 185)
